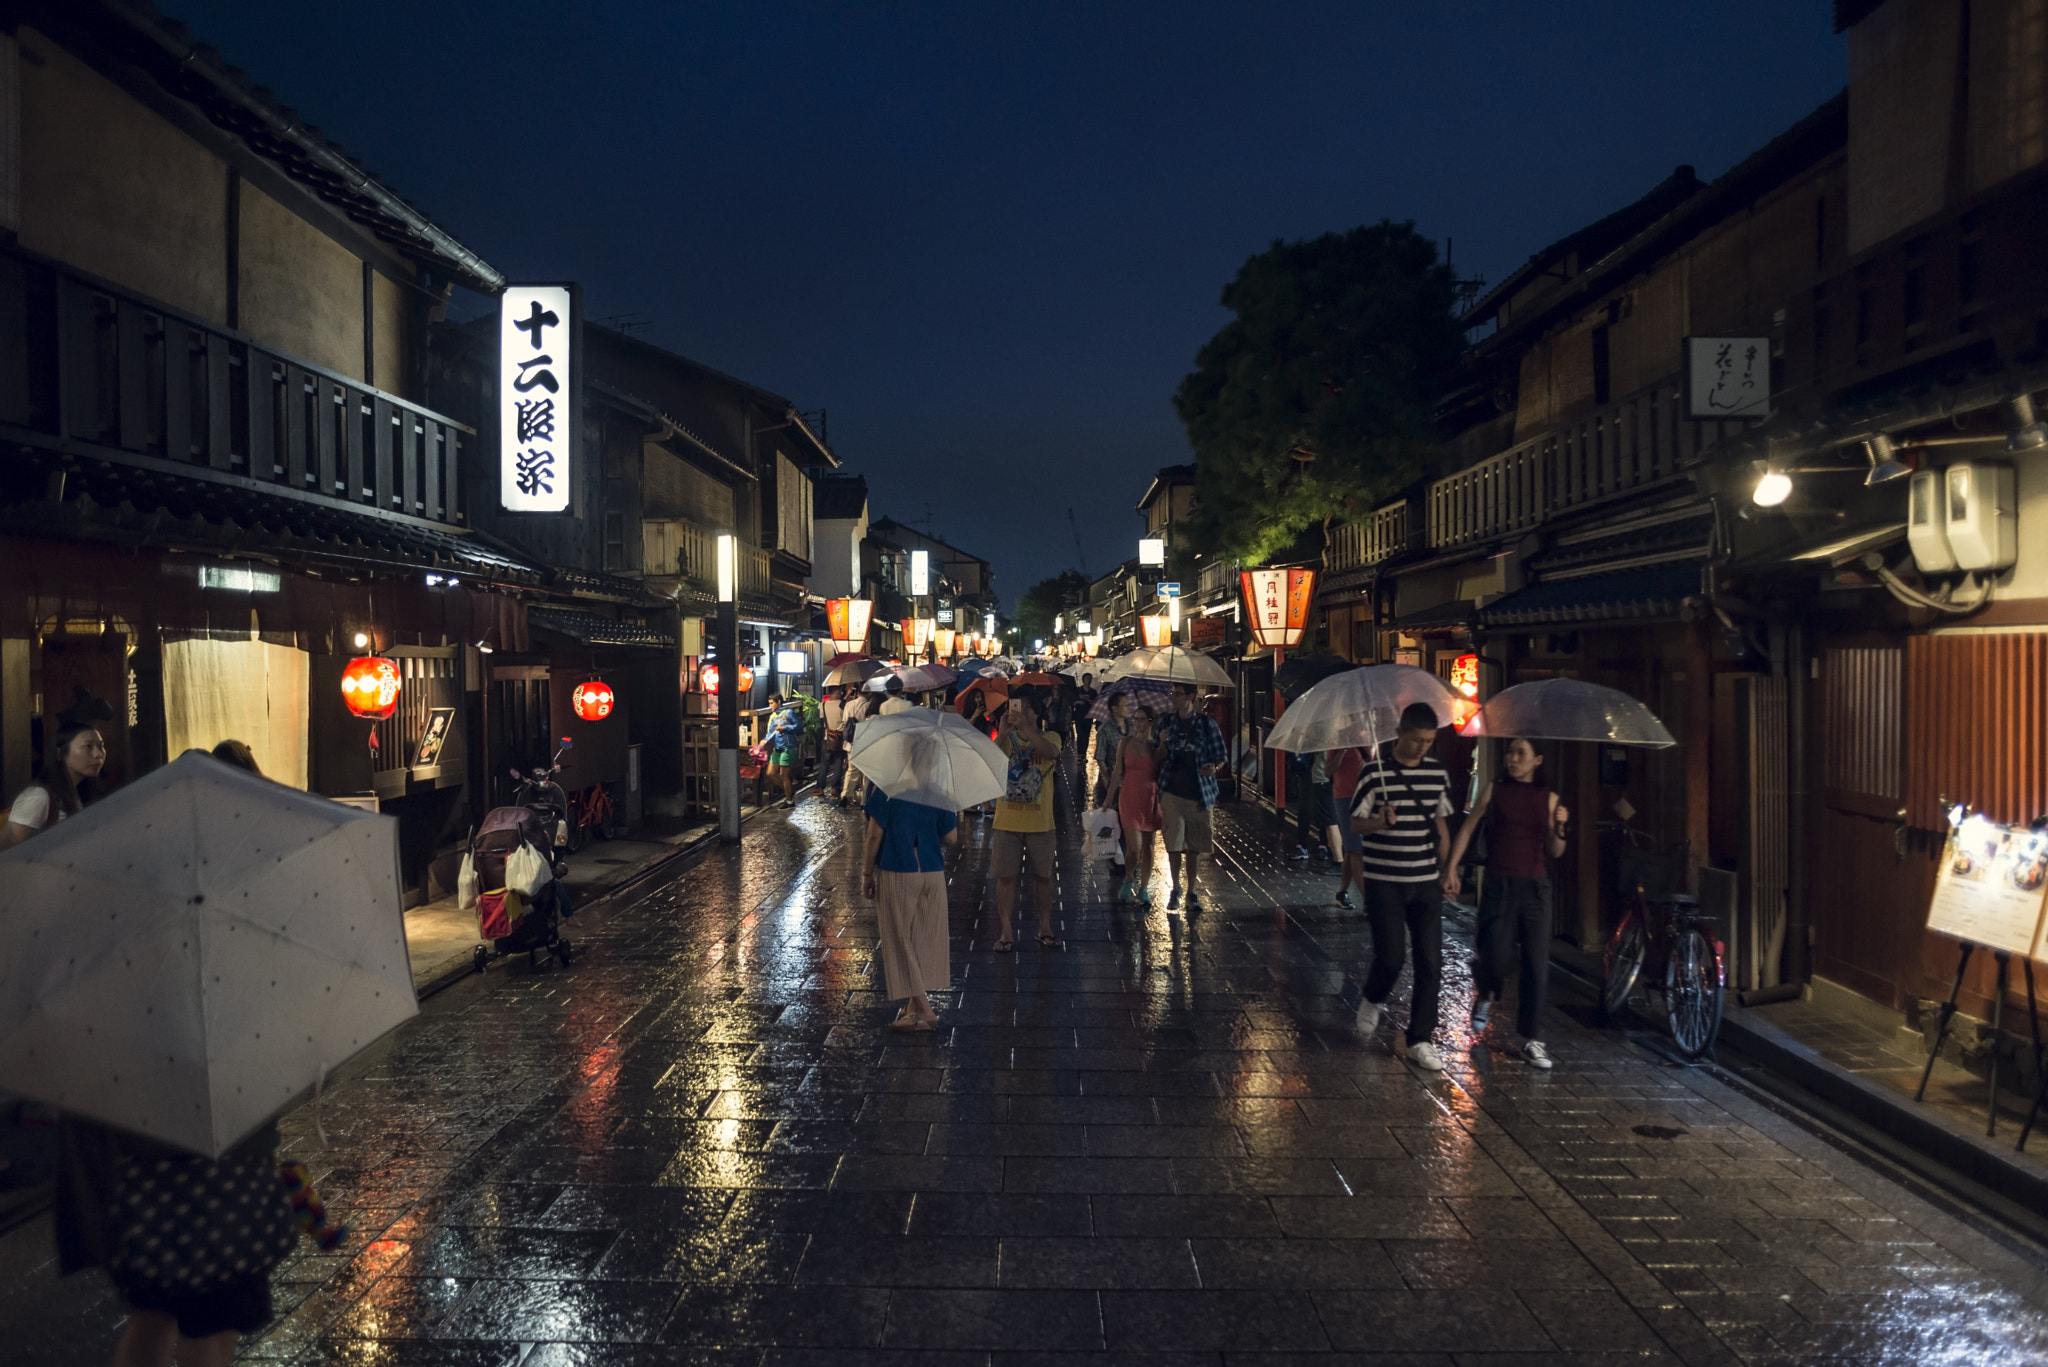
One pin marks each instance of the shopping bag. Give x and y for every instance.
(526, 872)
(1104, 832)
(467, 885)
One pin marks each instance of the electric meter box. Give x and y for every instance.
(1983, 515)
(1927, 522)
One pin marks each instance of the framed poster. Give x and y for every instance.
(436, 736)
(1989, 888)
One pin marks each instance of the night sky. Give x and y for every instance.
(990, 239)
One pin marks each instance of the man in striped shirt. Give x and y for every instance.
(1398, 814)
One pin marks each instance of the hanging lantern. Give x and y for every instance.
(942, 640)
(1091, 644)
(1279, 601)
(1158, 630)
(592, 700)
(370, 687)
(708, 676)
(917, 634)
(848, 620)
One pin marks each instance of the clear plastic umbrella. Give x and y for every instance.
(932, 757)
(1568, 709)
(1172, 664)
(1130, 664)
(1360, 707)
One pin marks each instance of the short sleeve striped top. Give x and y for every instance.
(1420, 793)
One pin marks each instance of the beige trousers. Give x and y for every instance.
(912, 917)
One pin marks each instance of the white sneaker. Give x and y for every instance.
(1368, 1019)
(1482, 1011)
(1424, 1056)
(1536, 1054)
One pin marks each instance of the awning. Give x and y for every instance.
(1830, 549)
(1643, 595)
(588, 628)
(1441, 619)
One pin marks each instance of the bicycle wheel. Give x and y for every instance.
(1625, 954)
(1692, 993)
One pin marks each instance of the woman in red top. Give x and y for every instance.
(1514, 898)
(1135, 781)
(1344, 845)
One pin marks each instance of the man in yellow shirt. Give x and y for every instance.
(1024, 816)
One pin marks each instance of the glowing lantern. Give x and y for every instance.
(1158, 630)
(848, 619)
(709, 676)
(1091, 644)
(943, 639)
(1465, 675)
(592, 700)
(1279, 601)
(370, 687)
(917, 634)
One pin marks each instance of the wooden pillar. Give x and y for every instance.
(1698, 741)
(16, 707)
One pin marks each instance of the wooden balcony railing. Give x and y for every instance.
(1216, 581)
(1642, 440)
(686, 550)
(86, 365)
(1384, 533)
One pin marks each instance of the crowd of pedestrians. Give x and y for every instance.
(1382, 816)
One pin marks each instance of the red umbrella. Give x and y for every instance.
(994, 693)
(1042, 680)
(847, 658)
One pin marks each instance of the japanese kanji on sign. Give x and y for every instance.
(1278, 601)
(537, 341)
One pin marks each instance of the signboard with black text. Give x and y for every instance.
(539, 358)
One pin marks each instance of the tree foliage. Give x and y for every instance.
(1315, 401)
(1047, 599)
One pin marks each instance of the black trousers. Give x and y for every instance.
(1515, 910)
(1407, 916)
(831, 770)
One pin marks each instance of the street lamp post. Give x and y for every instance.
(729, 696)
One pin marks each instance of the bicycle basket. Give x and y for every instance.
(1658, 872)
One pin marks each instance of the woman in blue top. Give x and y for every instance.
(905, 874)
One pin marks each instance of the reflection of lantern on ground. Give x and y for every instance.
(709, 676)
(592, 700)
(370, 687)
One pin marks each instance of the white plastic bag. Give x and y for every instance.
(1104, 832)
(467, 885)
(526, 872)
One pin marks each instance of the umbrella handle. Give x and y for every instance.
(319, 1086)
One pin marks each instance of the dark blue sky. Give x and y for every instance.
(990, 239)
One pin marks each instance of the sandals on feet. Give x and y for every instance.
(1004, 946)
(1048, 942)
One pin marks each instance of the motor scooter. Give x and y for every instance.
(540, 789)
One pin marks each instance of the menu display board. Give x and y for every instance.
(1991, 885)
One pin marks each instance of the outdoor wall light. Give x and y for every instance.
(1773, 487)
(362, 640)
(1884, 463)
(2023, 431)
(728, 567)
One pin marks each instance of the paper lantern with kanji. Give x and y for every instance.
(370, 687)
(942, 640)
(1279, 601)
(1158, 630)
(848, 620)
(917, 634)
(708, 675)
(592, 700)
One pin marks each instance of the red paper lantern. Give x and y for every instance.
(370, 687)
(708, 675)
(592, 700)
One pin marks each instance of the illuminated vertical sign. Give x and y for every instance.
(920, 573)
(538, 346)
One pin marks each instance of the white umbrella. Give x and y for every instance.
(1176, 664)
(1131, 664)
(1360, 707)
(933, 757)
(184, 958)
(1568, 709)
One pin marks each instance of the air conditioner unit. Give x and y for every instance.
(1983, 515)
(1927, 522)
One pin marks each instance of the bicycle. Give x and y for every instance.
(1668, 924)
(595, 811)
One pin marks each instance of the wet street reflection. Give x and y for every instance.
(1162, 1138)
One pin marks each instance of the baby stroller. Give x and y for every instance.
(509, 920)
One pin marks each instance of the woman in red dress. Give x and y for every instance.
(1135, 781)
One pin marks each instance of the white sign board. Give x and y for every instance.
(1152, 551)
(1728, 377)
(536, 397)
(920, 573)
(1990, 886)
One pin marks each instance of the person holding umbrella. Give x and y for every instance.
(1514, 899)
(1400, 810)
(1134, 778)
(1191, 755)
(1024, 817)
(904, 875)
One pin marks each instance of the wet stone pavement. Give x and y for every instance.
(1161, 1144)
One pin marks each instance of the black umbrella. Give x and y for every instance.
(1300, 673)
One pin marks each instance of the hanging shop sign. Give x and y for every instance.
(592, 700)
(917, 634)
(708, 676)
(1158, 629)
(942, 640)
(1208, 631)
(1728, 377)
(848, 619)
(920, 573)
(369, 685)
(539, 337)
(1465, 675)
(1279, 602)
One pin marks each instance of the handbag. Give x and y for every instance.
(1480, 846)
(467, 884)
